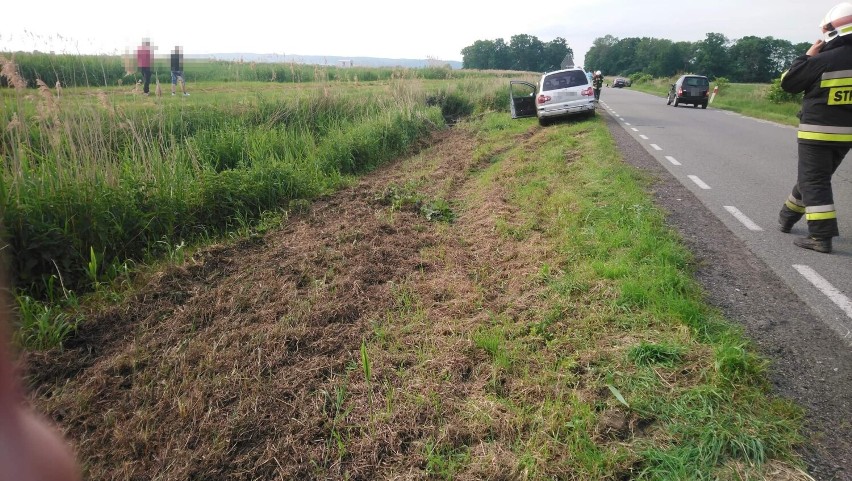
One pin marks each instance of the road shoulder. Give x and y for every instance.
(808, 362)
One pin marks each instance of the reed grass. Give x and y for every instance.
(118, 176)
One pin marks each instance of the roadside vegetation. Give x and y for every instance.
(116, 70)
(324, 281)
(95, 181)
(761, 101)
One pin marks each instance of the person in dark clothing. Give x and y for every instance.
(824, 74)
(597, 83)
(177, 70)
(143, 61)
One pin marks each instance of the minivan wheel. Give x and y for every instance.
(704, 105)
(543, 121)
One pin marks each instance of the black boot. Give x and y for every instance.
(819, 244)
(786, 221)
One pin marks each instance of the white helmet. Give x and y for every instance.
(597, 72)
(837, 22)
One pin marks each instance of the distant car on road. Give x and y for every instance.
(558, 94)
(620, 82)
(690, 89)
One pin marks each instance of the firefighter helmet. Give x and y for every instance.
(837, 22)
(597, 72)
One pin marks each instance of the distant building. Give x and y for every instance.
(346, 63)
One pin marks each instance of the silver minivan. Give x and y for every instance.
(558, 94)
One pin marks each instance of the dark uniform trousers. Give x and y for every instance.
(812, 196)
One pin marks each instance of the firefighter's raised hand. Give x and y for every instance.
(815, 48)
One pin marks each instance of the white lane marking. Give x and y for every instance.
(672, 160)
(643, 137)
(621, 119)
(743, 218)
(699, 182)
(626, 123)
(634, 129)
(656, 147)
(826, 288)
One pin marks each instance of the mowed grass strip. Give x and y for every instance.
(506, 304)
(556, 332)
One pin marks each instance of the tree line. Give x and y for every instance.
(748, 59)
(523, 52)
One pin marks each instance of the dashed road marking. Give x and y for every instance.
(626, 123)
(672, 160)
(826, 288)
(699, 182)
(634, 129)
(656, 147)
(643, 137)
(743, 218)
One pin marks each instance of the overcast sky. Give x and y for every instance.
(385, 28)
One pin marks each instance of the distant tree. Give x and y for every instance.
(711, 56)
(785, 52)
(599, 56)
(524, 52)
(502, 55)
(751, 59)
(480, 55)
(553, 53)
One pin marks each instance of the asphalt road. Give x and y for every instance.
(742, 169)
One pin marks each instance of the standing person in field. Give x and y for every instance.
(597, 83)
(143, 61)
(177, 70)
(824, 74)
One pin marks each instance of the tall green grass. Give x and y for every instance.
(112, 70)
(92, 180)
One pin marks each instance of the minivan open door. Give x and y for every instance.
(522, 99)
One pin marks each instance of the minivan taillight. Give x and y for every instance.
(588, 92)
(543, 99)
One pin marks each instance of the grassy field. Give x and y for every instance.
(97, 180)
(506, 304)
(747, 99)
(383, 297)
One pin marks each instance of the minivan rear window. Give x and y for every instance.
(696, 81)
(561, 80)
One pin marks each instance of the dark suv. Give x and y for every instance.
(690, 89)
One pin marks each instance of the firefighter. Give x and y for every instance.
(597, 83)
(824, 74)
